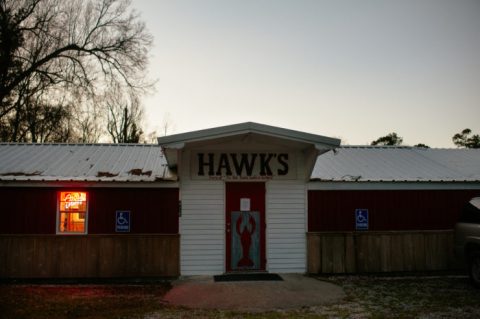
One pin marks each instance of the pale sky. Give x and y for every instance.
(355, 70)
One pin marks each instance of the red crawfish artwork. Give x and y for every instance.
(246, 240)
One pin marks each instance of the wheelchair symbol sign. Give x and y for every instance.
(122, 221)
(361, 219)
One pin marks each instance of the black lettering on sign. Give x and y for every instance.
(202, 164)
(282, 160)
(265, 164)
(224, 163)
(244, 163)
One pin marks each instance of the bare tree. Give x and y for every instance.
(89, 122)
(151, 138)
(46, 122)
(73, 50)
(124, 118)
(167, 124)
(38, 117)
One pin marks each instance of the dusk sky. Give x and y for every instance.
(355, 70)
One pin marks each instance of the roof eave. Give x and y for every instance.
(178, 140)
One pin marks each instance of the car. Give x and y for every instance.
(467, 239)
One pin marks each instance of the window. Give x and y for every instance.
(72, 213)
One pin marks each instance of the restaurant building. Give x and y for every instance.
(244, 197)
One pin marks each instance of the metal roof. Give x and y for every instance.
(249, 127)
(147, 163)
(397, 164)
(83, 162)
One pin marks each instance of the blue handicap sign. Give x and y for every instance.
(361, 219)
(122, 221)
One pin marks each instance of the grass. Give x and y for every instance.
(366, 297)
(80, 301)
(410, 297)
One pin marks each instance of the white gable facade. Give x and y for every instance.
(264, 169)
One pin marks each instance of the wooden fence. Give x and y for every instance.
(102, 256)
(367, 252)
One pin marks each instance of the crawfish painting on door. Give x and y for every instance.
(245, 226)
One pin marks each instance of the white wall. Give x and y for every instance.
(202, 227)
(286, 239)
(202, 224)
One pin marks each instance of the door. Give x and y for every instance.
(245, 226)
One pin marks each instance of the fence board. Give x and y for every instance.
(396, 248)
(364, 252)
(338, 262)
(50, 256)
(385, 253)
(314, 251)
(350, 261)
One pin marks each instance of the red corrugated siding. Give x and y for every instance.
(27, 210)
(33, 210)
(388, 209)
(152, 210)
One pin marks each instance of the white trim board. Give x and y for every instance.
(390, 186)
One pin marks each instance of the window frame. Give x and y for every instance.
(57, 222)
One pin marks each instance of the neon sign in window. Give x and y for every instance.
(72, 212)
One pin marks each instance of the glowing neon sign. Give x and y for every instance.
(73, 200)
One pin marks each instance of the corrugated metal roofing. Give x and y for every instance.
(146, 163)
(83, 162)
(398, 164)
